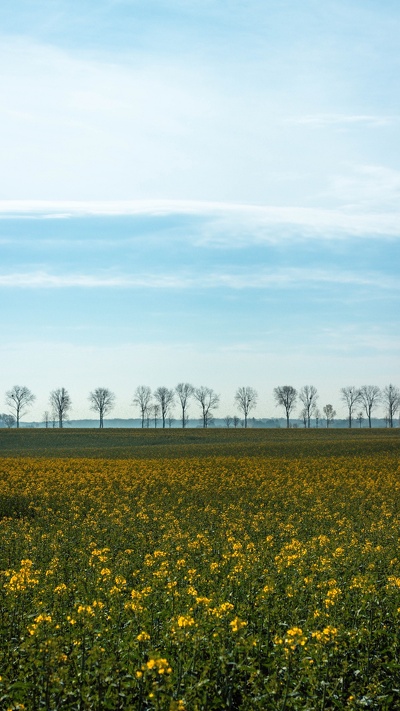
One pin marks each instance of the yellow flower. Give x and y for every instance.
(60, 589)
(23, 578)
(158, 665)
(120, 580)
(331, 596)
(43, 617)
(185, 621)
(143, 637)
(237, 624)
(86, 610)
(203, 600)
(326, 635)
(294, 638)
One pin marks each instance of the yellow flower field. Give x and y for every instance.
(212, 583)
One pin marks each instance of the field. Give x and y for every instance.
(199, 570)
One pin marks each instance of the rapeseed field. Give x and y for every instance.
(200, 583)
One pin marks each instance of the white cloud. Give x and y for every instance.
(368, 188)
(235, 224)
(264, 279)
(142, 125)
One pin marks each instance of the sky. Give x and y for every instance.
(199, 191)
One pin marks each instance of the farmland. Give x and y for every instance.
(173, 443)
(199, 570)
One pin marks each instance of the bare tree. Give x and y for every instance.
(246, 400)
(185, 392)
(308, 395)
(391, 399)
(360, 418)
(142, 398)
(46, 418)
(228, 420)
(317, 415)
(208, 400)
(102, 401)
(370, 396)
(236, 421)
(156, 412)
(60, 402)
(165, 399)
(303, 415)
(9, 420)
(329, 413)
(285, 395)
(18, 399)
(350, 396)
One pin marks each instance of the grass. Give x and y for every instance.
(176, 443)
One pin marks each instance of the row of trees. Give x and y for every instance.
(19, 399)
(159, 403)
(368, 397)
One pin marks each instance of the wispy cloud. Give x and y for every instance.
(264, 279)
(367, 188)
(230, 223)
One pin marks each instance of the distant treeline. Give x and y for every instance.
(157, 408)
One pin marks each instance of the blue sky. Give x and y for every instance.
(199, 191)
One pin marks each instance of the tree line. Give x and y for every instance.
(156, 406)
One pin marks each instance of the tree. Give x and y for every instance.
(246, 400)
(236, 421)
(142, 398)
(391, 399)
(156, 412)
(370, 396)
(208, 400)
(9, 420)
(286, 395)
(329, 413)
(228, 420)
(18, 399)
(303, 415)
(165, 399)
(317, 415)
(185, 392)
(308, 395)
(46, 418)
(60, 402)
(102, 401)
(360, 418)
(350, 396)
